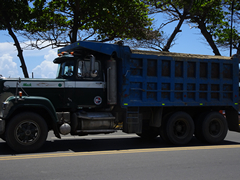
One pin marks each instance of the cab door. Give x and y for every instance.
(90, 89)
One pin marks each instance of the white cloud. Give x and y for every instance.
(40, 62)
(8, 48)
(47, 69)
(8, 68)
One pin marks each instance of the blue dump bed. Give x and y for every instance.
(172, 79)
(147, 78)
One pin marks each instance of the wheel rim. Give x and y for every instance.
(27, 132)
(214, 128)
(180, 128)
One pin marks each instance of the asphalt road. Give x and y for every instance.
(122, 156)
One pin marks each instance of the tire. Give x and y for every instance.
(26, 132)
(214, 128)
(180, 128)
(163, 129)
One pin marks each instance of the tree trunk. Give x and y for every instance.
(177, 29)
(75, 23)
(20, 55)
(74, 35)
(208, 37)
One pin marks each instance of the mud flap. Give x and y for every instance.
(233, 120)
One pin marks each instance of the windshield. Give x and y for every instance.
(65, 69)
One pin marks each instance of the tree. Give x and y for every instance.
(201, 12)
(177, 11)
(63, 21)
(156, 39)
(208, 14)
(223, 34)
(13, 15)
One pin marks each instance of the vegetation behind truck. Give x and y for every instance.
(100, 86)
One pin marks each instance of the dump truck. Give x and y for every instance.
(102, 88)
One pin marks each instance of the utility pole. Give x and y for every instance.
(231, 36)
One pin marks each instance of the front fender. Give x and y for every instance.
(12, 104)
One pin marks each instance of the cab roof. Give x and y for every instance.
(104, 48)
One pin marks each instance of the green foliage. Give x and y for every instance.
(209, 11)
(13, 13)
(211, 16)
(216, 15)
(222, 32)
(107, 19)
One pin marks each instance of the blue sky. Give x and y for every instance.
(40, 61)
(37, 61)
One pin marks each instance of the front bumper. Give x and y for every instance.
(2, 126)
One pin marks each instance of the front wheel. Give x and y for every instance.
(26, 132)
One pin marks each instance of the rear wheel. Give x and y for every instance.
(163, 129)
(179, 128)
(26, 132)
(214, 128)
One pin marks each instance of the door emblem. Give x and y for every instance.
(97, 100)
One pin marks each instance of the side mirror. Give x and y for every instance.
(93, 71)
(92, 63)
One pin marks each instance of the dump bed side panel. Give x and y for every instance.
(152, 80)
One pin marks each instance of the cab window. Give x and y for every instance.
(84, 69)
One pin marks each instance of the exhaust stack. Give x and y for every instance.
(112, 82)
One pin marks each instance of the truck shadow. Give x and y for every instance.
(91, 145)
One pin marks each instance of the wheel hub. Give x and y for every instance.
(179, 128)
(27, 132)
(214, 128)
